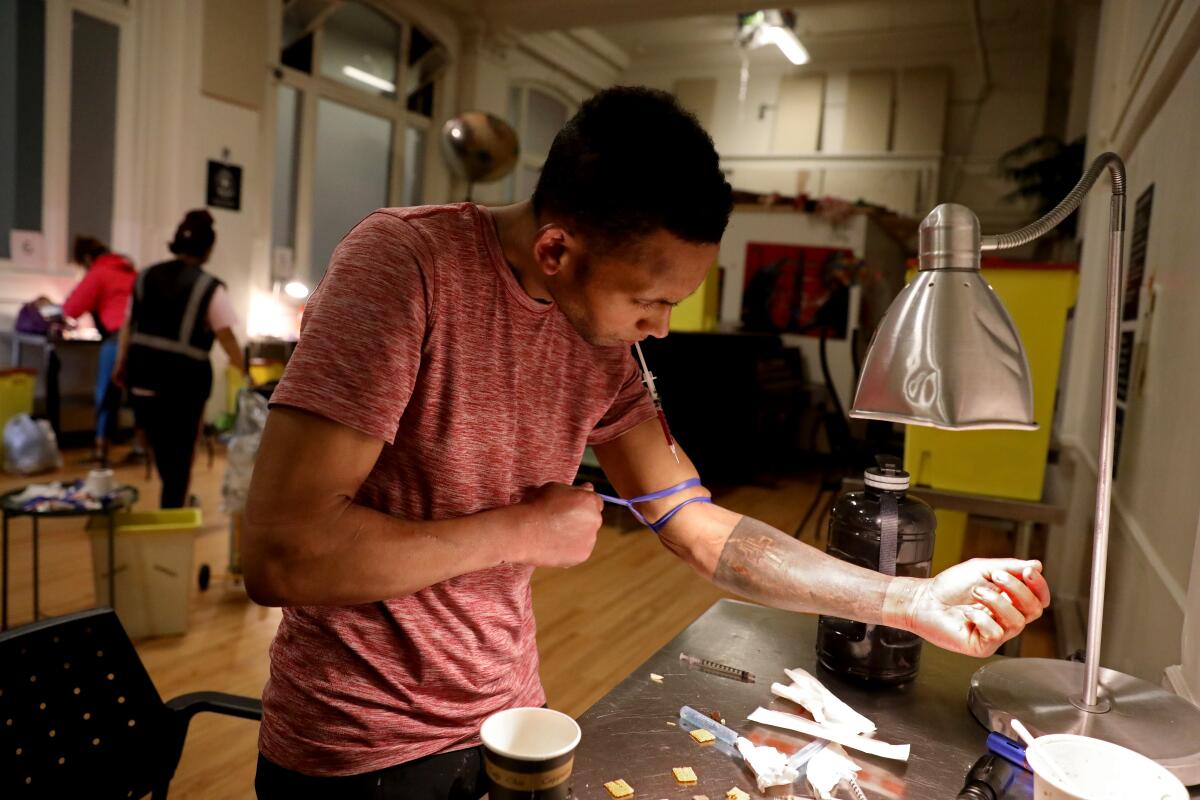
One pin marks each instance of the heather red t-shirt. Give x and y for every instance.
(420, 335)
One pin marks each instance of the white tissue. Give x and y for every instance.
(829, 767)
(49, 490)
(769, 765)
(823, 704)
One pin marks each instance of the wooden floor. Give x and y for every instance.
(594, 628)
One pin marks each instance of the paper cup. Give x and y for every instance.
(99, 482)
(528, 753)
(1069, 767)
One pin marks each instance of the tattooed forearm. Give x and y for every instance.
(766, 565)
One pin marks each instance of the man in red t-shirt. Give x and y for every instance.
(452, 366)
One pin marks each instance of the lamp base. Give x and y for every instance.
(1044, 694)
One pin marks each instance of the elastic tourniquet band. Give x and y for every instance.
(657, 525)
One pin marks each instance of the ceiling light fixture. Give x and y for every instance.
(787, 42)
(296, 289)
(373, 81)
(760, 28)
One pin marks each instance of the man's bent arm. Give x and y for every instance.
(307, 542)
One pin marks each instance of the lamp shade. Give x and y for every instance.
(946, 353)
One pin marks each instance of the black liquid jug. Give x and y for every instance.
(884, 529)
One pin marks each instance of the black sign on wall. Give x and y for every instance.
(224, 186)
(1138, 241)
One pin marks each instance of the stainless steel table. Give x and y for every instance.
(634, 732)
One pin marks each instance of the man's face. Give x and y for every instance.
(625, 296)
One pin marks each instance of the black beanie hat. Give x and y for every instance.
(195, 235)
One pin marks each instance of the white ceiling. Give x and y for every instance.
(820, 21)
(677, 31)
(820, 16)
(833, 32)
(542, 15)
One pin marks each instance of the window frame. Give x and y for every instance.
(524, 157)
(313, 87)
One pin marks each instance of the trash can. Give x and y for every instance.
(153, 562)
(16, 397)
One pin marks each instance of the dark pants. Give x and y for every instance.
(457, 775)
(172, 425)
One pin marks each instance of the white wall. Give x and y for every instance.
(1145, 106)
(1183, 677)
(180, 129)
(978, 127)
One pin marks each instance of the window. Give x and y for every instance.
(287, 151)
(61, 143)
(354, 149)
(426, 62)
(414, 154)
(360, 48)
(94, 44)
(22, 88)
(537, 115)
(359, 90)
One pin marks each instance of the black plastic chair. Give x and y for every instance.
(80, 717)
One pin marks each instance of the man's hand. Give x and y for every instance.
(307, 542)
(559, 525)
(973, 607)
(118, 373)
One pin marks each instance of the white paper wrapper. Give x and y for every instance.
(823, 704)
(769, 765)
(792, 722)
(829, 767)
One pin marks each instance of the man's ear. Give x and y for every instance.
(553, 247)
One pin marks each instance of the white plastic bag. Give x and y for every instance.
(30, 446)
(242, 450)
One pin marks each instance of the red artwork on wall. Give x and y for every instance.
(797, 289)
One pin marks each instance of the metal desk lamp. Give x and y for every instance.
(947, 355)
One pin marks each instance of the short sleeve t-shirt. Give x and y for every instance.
(220, 313)
(420, 335)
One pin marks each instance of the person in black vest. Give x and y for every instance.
(178, 311)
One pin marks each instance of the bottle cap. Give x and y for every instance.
(888, 475)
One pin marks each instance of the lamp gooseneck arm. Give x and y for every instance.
(1090, 700)
(1039, 228)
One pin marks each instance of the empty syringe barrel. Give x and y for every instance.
(694, 717)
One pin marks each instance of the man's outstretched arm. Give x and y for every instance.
(973, 607)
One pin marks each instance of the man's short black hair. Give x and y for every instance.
(630, 162)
